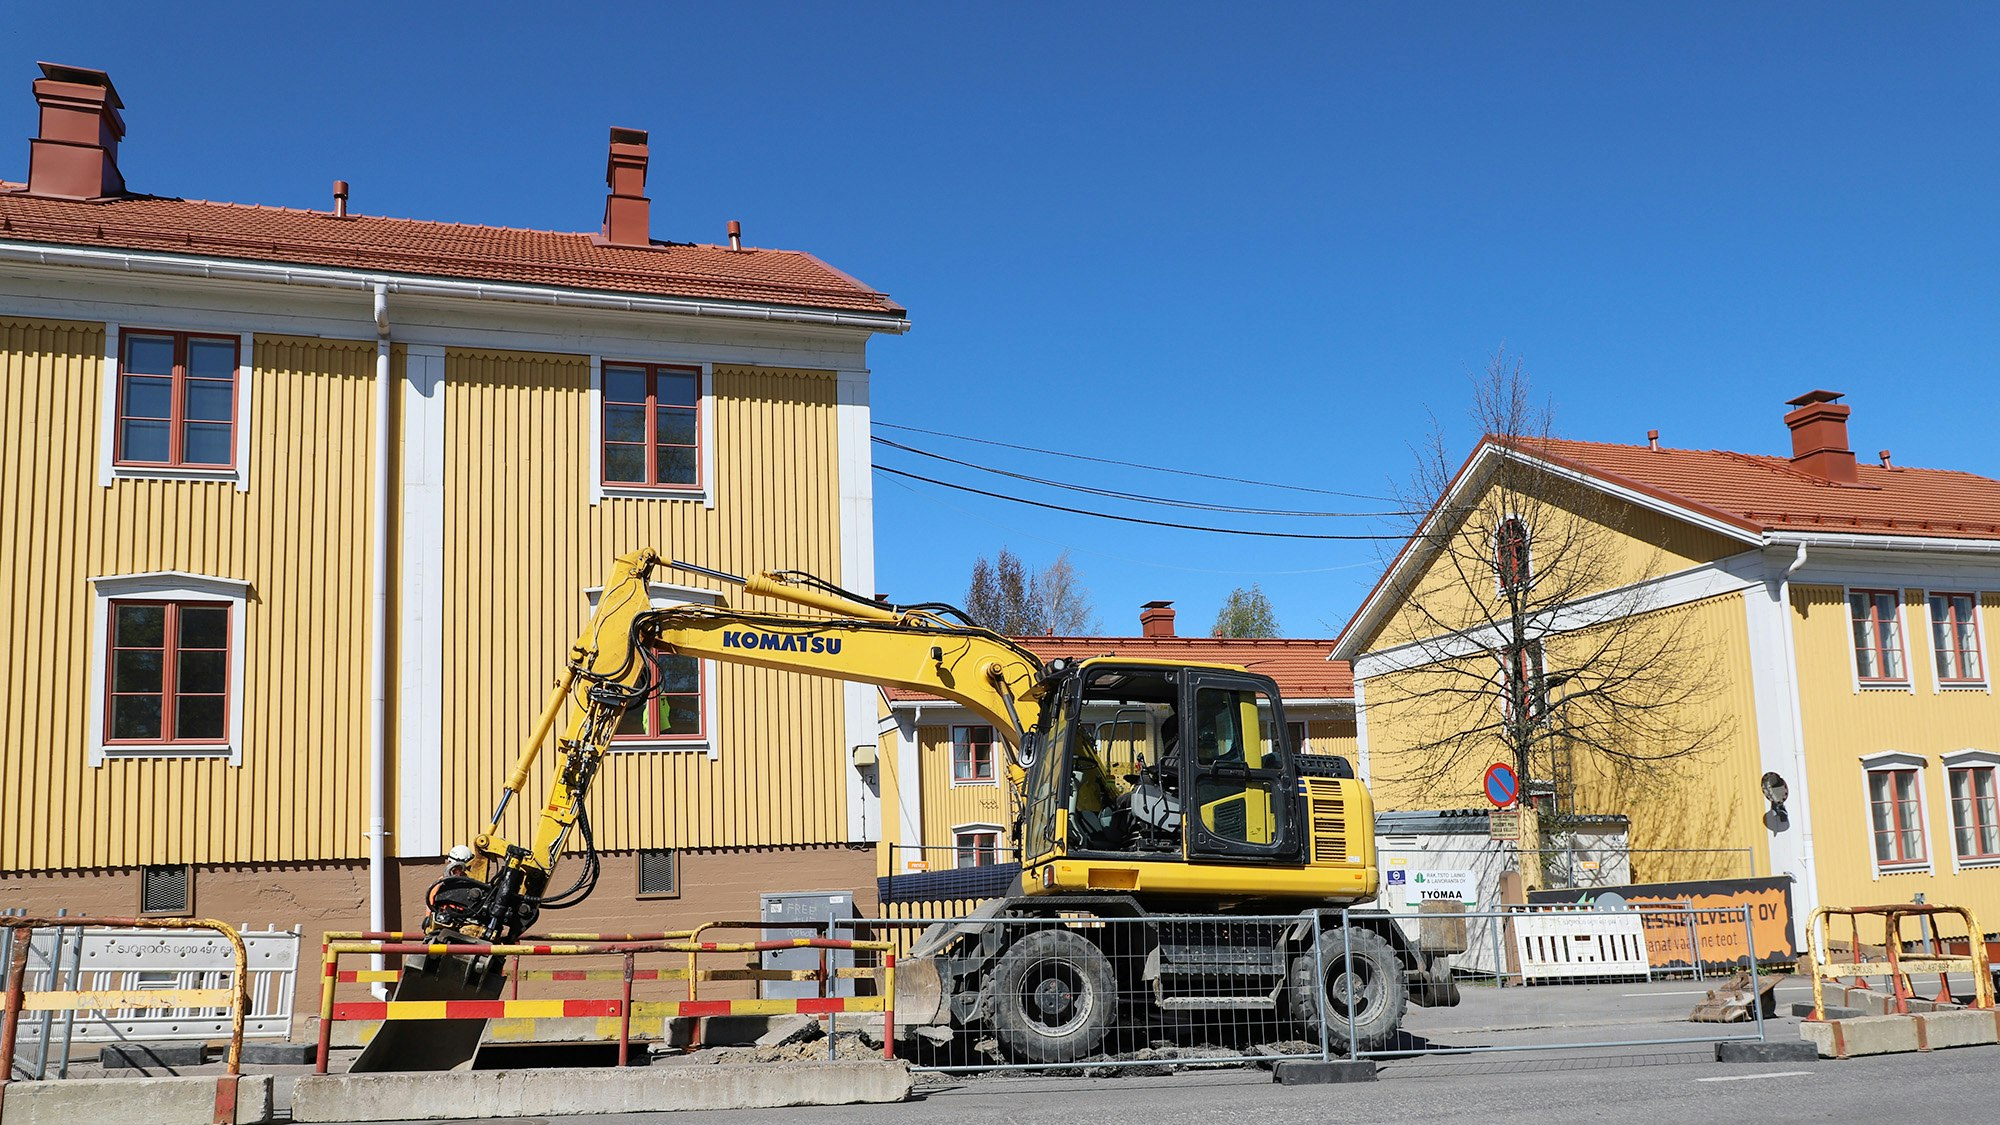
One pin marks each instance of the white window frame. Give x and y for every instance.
(1985, 681)
(1958, 760)
(165, 585)
(599, 491)
(1906, 685)
(109, 471)
(666, 595)
(1890, 761)
(999, 748)
(958, 831)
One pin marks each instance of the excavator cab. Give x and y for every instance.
(1177, 779)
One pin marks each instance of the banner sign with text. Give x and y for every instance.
(1715, 921)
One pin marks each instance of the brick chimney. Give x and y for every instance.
(627, 212)
(1819, 437)
(1156, 619)
(75, 156)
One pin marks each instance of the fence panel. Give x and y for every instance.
(129, 960)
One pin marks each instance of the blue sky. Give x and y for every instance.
(1265, 242)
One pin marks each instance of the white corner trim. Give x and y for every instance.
(909, 777)
(107, 408)
(857, 573)
(666, 595)
(246, 369)
(420, 764)
(1361, 767)
(1780, 735)
(594, 405)
(165, 585)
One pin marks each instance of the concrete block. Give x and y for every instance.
(786, 1030)
(1769, 1051)
(1804, 1010)
(549, 1093)
(134, 1101)
(151, 1056)
(279, 1054)
(1319, 1072)
(1865, 1035)
(1939, 1030)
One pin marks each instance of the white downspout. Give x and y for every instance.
(378, 642)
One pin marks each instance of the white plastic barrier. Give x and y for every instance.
(104, 960)
(1582, 943)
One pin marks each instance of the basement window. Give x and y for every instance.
(166, 888)
(659, 873)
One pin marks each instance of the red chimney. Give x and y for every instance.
(1156, 619)
(76, 154)
(1819, 437)
(627, 211)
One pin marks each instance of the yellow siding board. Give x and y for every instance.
(1844, 722)
(523, 543)
(295, 536)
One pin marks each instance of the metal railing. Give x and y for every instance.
(1899, 962)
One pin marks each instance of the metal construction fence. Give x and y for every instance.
(1191, 990)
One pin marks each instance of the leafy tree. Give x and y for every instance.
(1246, 613)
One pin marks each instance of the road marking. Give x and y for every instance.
(1704, 992)
(1748, 1077)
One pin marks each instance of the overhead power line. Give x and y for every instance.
(1137, 465)
(1138, 497)
(1131, 519)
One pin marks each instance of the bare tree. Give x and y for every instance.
(1066, 600)
(1524, 630)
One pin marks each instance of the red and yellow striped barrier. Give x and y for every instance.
(624, 1008)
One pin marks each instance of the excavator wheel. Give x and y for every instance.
(1053, 998)
(1363, 988)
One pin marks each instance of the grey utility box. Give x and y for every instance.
(797, 908)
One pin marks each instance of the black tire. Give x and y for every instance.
(1053, 998)
(1366, 991)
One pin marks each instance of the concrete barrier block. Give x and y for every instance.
(550, 1093)
(1314, 1072)
(150, 1056)
(1769, 1051)
(1867, 1035)
(1804, 1010)
(135, 1101)
(1958, 1029)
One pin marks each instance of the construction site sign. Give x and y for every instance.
(1712, 918)
(1504, 824)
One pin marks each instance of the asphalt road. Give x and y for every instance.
(1681, 1084)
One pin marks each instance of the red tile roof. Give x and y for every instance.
(455, 250)
(1760, 493)
(1300, 667)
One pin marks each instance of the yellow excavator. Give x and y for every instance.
(1139, 788)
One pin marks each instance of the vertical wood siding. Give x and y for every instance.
(523, 543)
(946, 806)
(299, 536)
(1843, 723)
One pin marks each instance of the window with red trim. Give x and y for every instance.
(1955, 639)
(971, 754)
(177, 399)
(652, 426)
(676, 713)
(978, 848)
(169, 676)
(1896, 812)
(1510, 555)
(1878, 635)
(1975, 813)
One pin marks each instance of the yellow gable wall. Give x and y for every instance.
(1844, 722)
(299, 536)
(1640, 544)
(523, 543)
(1706, 802)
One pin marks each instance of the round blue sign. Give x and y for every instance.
(1502, 786)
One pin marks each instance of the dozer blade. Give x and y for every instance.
(447, 1044)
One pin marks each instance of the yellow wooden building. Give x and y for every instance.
(944, 769)
(302, 509)
(1835, 695)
